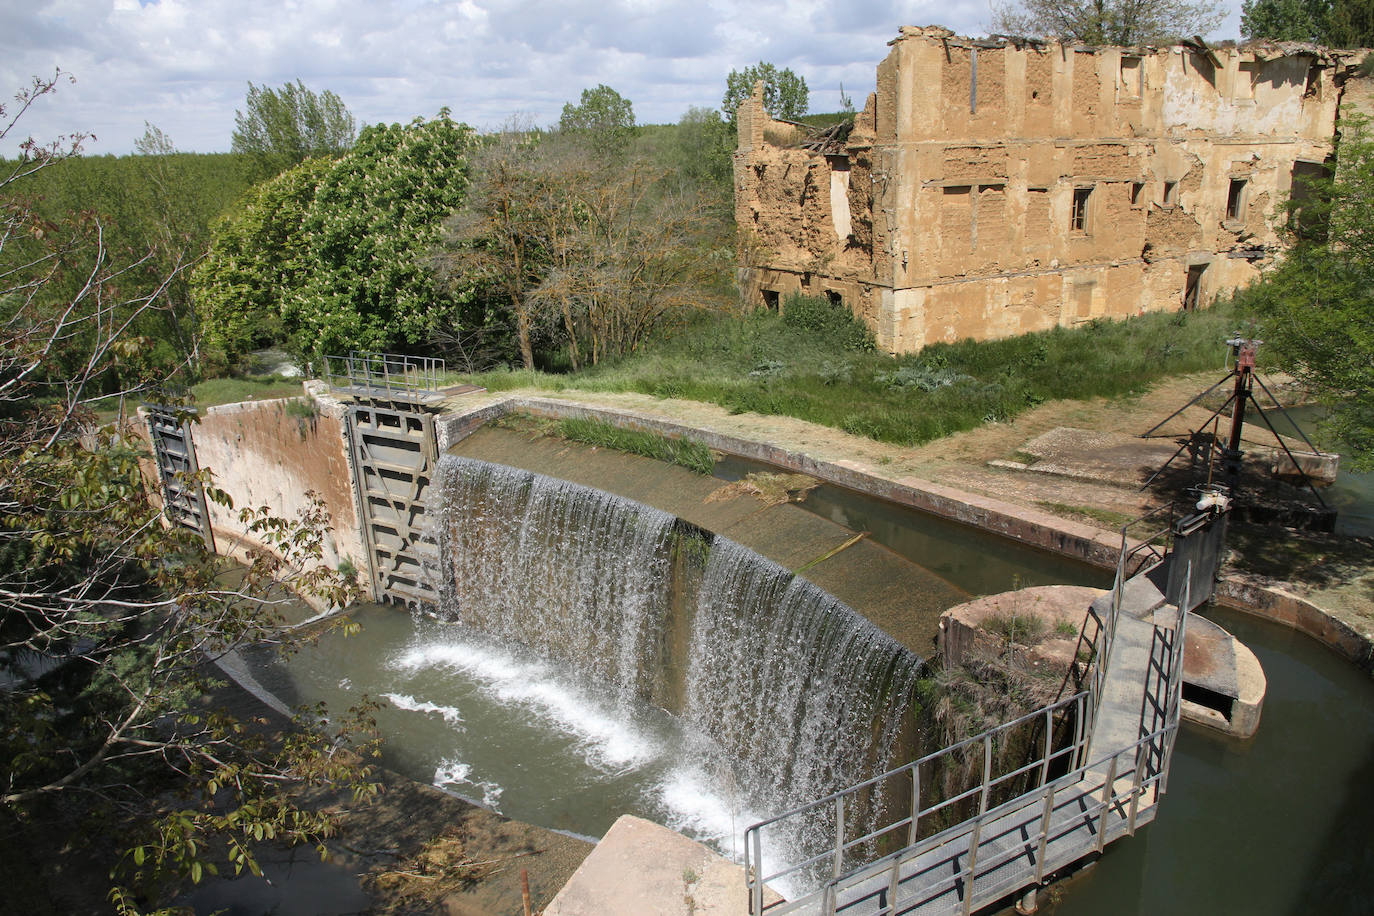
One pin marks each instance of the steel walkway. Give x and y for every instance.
(1097, 774)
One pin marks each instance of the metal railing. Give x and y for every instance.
(906, 829)
(1131, 560)
(388, 374)
(1099, 801)
(1148, 760)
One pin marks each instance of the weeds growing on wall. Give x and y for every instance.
(762, 363)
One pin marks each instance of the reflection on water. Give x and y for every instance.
(1352, 495)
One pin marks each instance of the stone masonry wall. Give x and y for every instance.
(267, 453)
(991, 188)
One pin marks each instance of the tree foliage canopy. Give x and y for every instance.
(785, 94)
(1317, 306)
(1334, 23)
(330, 255)
(109, 619)
(597, 254)
(604, 116)
(1109, 22)
(281, 127)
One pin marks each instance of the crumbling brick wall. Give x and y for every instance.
(992, 187)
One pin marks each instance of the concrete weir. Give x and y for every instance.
(1222, 684)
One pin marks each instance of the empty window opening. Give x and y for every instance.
(771, 299)
(1247, 75)
(1170, 193)
(1309, 221)
(1235, 199)
(1192, 290)
(1313, 89)
(1079, 220)
(1137, 188)
(835, 298)
(1131, 76)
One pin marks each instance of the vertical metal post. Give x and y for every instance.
(1135, 791)
(1049, 746)
(839, 835)
(987, 773)
(974, 840)
(911, 832)
(1044, 834)
(756, 878)
(1107, 790)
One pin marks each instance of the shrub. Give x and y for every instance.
(834, 322)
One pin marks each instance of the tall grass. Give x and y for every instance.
(760, 362)
(232, 390)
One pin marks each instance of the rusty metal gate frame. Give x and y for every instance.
(174, 451)
(392, 495)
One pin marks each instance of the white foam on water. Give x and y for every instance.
(449, 714)
(453, 772)
(610, 744)
(699, 807)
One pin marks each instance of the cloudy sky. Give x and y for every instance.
(184, 65)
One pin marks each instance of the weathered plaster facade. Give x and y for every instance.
(993, 187)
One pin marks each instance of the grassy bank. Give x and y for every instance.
(687, 453)
(823, 372)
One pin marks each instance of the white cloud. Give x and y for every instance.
(185, 64)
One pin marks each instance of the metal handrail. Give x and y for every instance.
(753, 841)
(390, 373)
(1086, 703)
(1112, 797)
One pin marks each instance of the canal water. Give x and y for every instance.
(1274, 825)
(1352, 493)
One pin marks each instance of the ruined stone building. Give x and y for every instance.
(993, 187)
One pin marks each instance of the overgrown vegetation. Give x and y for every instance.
(109, 619)
(1317, 305)
(682, 451)
(762, 362)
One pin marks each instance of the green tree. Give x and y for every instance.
(109, 618)
(785, 95)
(605, 252)
(1109, 22)
(1335, 23)
(1317, 305)
(604, 117)
(281, 127)
(701, 150)
(256, 256)
(335, 250)
(374, 217)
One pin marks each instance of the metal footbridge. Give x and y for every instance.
(1000, 812)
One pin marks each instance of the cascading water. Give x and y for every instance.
(786, 693)
(577, 575)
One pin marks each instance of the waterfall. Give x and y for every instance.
(577, 575)
(806, 695)
(787, 693)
